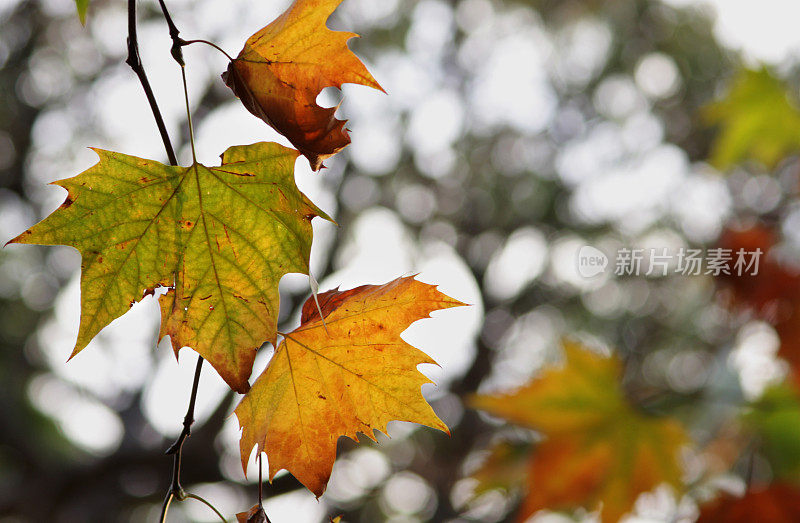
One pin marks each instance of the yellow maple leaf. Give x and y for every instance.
(284, 66)
(353, 373)
(599, 452)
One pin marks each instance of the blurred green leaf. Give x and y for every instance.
(505, 467)
(757, 120)
(775, 418)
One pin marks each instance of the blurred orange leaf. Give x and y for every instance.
(598, 451)
(285, 65)
(353, 373)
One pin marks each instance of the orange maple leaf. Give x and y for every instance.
(598, 450)
(284, 66)
(353, 373)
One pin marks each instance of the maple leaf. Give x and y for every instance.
(220, 237)
(598, 449)
(284, 66)
(757, 120)
(779, 503)
(353, 373)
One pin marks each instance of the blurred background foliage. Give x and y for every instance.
(514, 133)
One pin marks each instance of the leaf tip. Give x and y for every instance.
(82, 6)
(76, 350)
(18, 239)
(239, 384)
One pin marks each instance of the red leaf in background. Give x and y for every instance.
(773, 294)
(780, 503)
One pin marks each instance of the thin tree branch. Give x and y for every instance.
(176, 489)
(135, 62)
(165, 506)
(177, 41)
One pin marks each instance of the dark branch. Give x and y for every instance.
(134, 60)
(136, 64)
(176, 489)
(177, 41)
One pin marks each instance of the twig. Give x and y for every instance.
(209, 505)
(135, 62)
(212, 44)
(177, 41)
(176, 489)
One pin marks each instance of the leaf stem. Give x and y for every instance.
(135, 62)
(209, 505)
(260, 483)
(188, 114)
(261, 490)
(212, 44)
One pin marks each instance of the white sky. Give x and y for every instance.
(765, 30)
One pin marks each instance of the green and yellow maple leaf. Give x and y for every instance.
(758, 120)
(347, 374)
(220, 238)
(598, 451)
